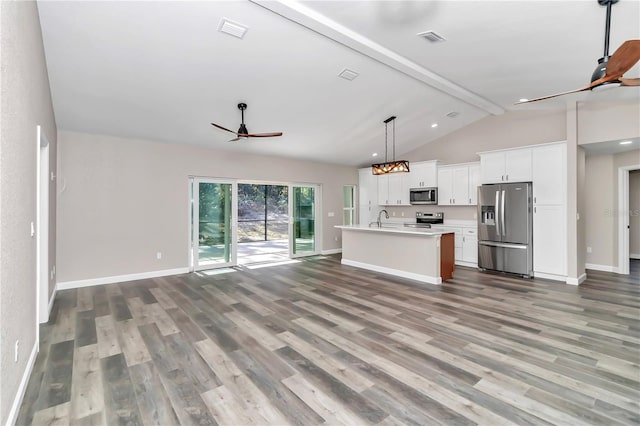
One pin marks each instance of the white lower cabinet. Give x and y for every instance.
(466, 243)
(470, 246)
(549, 241)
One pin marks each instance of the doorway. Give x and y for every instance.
(263, 223)
(235, 223)
(627, 214)
(42, 228)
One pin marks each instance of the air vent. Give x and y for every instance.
(432, 36)
(348, 74)
(453, 114)
(232, 28)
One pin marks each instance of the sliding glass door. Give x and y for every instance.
(303, 203)
(214, 212)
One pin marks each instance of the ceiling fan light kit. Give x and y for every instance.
(608, 73)
(394, 166)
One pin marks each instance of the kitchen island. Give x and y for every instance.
(420, 254)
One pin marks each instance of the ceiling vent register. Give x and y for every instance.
(232, 28)
(432, 36)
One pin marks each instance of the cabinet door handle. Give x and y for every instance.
(507, 177)
(534, 210)
(469, 200)
(534, 199)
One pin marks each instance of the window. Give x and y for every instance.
(348, 205)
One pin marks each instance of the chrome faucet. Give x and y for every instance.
(386, 214)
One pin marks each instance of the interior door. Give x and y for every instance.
(303, 203)
(214, 213)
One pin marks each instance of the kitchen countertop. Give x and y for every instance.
(394, 229)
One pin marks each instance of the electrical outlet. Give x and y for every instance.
(393, 214)
(51, 275)
(159, 255)
(402, 214)
(335, 238)
(589, 250)
(331, 214)
(17, 350)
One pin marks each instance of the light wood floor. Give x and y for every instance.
(320, 343)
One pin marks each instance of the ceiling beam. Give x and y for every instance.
(309, 18)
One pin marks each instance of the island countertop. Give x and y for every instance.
(396, 229)
(421, 254)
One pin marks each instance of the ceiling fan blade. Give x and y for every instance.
(223, 128)
(553, 96)
(263, 135)
(627, 55)
(630, 81)
(234, 139)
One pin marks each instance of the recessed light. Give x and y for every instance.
(453, 114)
(523, 100)
(375, 154)
(434, 125)
(626, 142)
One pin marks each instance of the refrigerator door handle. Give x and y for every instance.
(505, 245)
(497, 213)
(503, 225)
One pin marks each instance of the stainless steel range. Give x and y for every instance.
(425, 220)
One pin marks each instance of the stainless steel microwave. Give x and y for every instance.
(423, 195)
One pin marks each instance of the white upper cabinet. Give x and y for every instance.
(423, 174)
(506, 166)
(393, 189)
(474, 181)
(457, 185)
(549, 174)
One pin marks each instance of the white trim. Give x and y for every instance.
(622, 214)
(604, 268)
(577, 281)
(467, 264)
(404, 274)
(550, 276)
(120, 278)
(634, 256)
(17, 402)
(52, 299)
(331, 251)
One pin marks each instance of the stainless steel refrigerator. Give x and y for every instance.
(505, 228)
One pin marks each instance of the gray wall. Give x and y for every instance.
(123, 200)
(26, 103)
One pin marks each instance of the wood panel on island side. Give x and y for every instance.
(316, 342)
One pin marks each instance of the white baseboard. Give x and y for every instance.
(604, 268)
(634, 255)
(467, 264)
(550, 276)
(577, 281)
(120, 278)
(17, 402)
(404, 274)
(331, 251)
(52, 299)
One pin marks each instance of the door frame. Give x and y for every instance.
(195, 225)
(42, 228)
(317, 213)
(623, 218)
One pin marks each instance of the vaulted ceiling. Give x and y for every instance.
(164, 71)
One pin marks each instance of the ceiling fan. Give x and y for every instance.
(610, 69)
(242, 132)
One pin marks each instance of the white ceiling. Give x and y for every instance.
(163, 71)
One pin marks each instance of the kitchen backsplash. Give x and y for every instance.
(450, 212)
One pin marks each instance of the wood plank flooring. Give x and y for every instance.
(316, 342)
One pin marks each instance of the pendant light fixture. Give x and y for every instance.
(399, 166)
